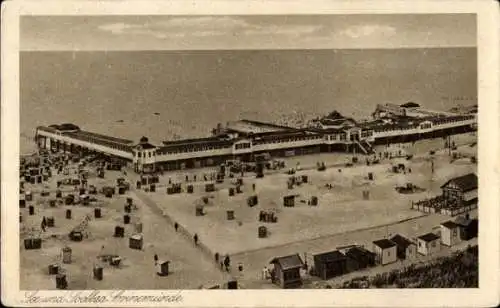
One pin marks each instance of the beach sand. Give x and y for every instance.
(341, 218)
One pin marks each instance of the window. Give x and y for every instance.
(454, 232)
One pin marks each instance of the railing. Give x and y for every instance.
(392, 130)
(101, 147)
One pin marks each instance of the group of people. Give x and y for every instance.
(195, 236)
(225, 264)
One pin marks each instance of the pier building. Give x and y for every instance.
(245, 139)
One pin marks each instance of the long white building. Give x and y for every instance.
(245, 139)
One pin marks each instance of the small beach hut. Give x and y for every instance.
(359, 258)
(406, 249)
(428, 244)
(450, 233)
(468, 227)
(330, 264)
(385, 251)
(162, 268)
(286, 272)
(136, 241)
(289, 201)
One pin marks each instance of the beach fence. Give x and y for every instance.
(441, 205)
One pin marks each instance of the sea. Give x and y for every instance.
(167, 95)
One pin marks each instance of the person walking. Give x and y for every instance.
(227, 262)
(44, 224)
(195, 238)
(265, 272)
(176, 226)
(156, 259)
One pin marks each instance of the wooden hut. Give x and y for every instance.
(359, 258)
(119, 231)
(136, 241)
(232, 285)
(313, 201)
(262, 232)
(406, 249)
(199, 210)
(162, 268)
(385, 251)
(428, 244)
(468, 227)
(463, 190)
(286, 272)
(289, 201)
(209, 187)
(252, 200)
(330, 264)
(450, 233)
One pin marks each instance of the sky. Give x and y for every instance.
(73, 33)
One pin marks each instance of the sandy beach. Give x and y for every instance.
(341, 217)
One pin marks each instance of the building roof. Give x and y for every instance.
(331, 256)
(465, 182)
(384, 243)
(284, 134)
(401, 241)
(358, 253)
(104, 137)
(288, 262)
(196, 142)
(330, 130)
(65, 126)
(429, 237)
(410, 105)
(449, 224)
(463, 221)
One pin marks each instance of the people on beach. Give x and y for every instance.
(43, 224)
(227, 263)
(265, 273)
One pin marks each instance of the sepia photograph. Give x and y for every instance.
(241, 151)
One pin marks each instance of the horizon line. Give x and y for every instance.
(249, 49)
